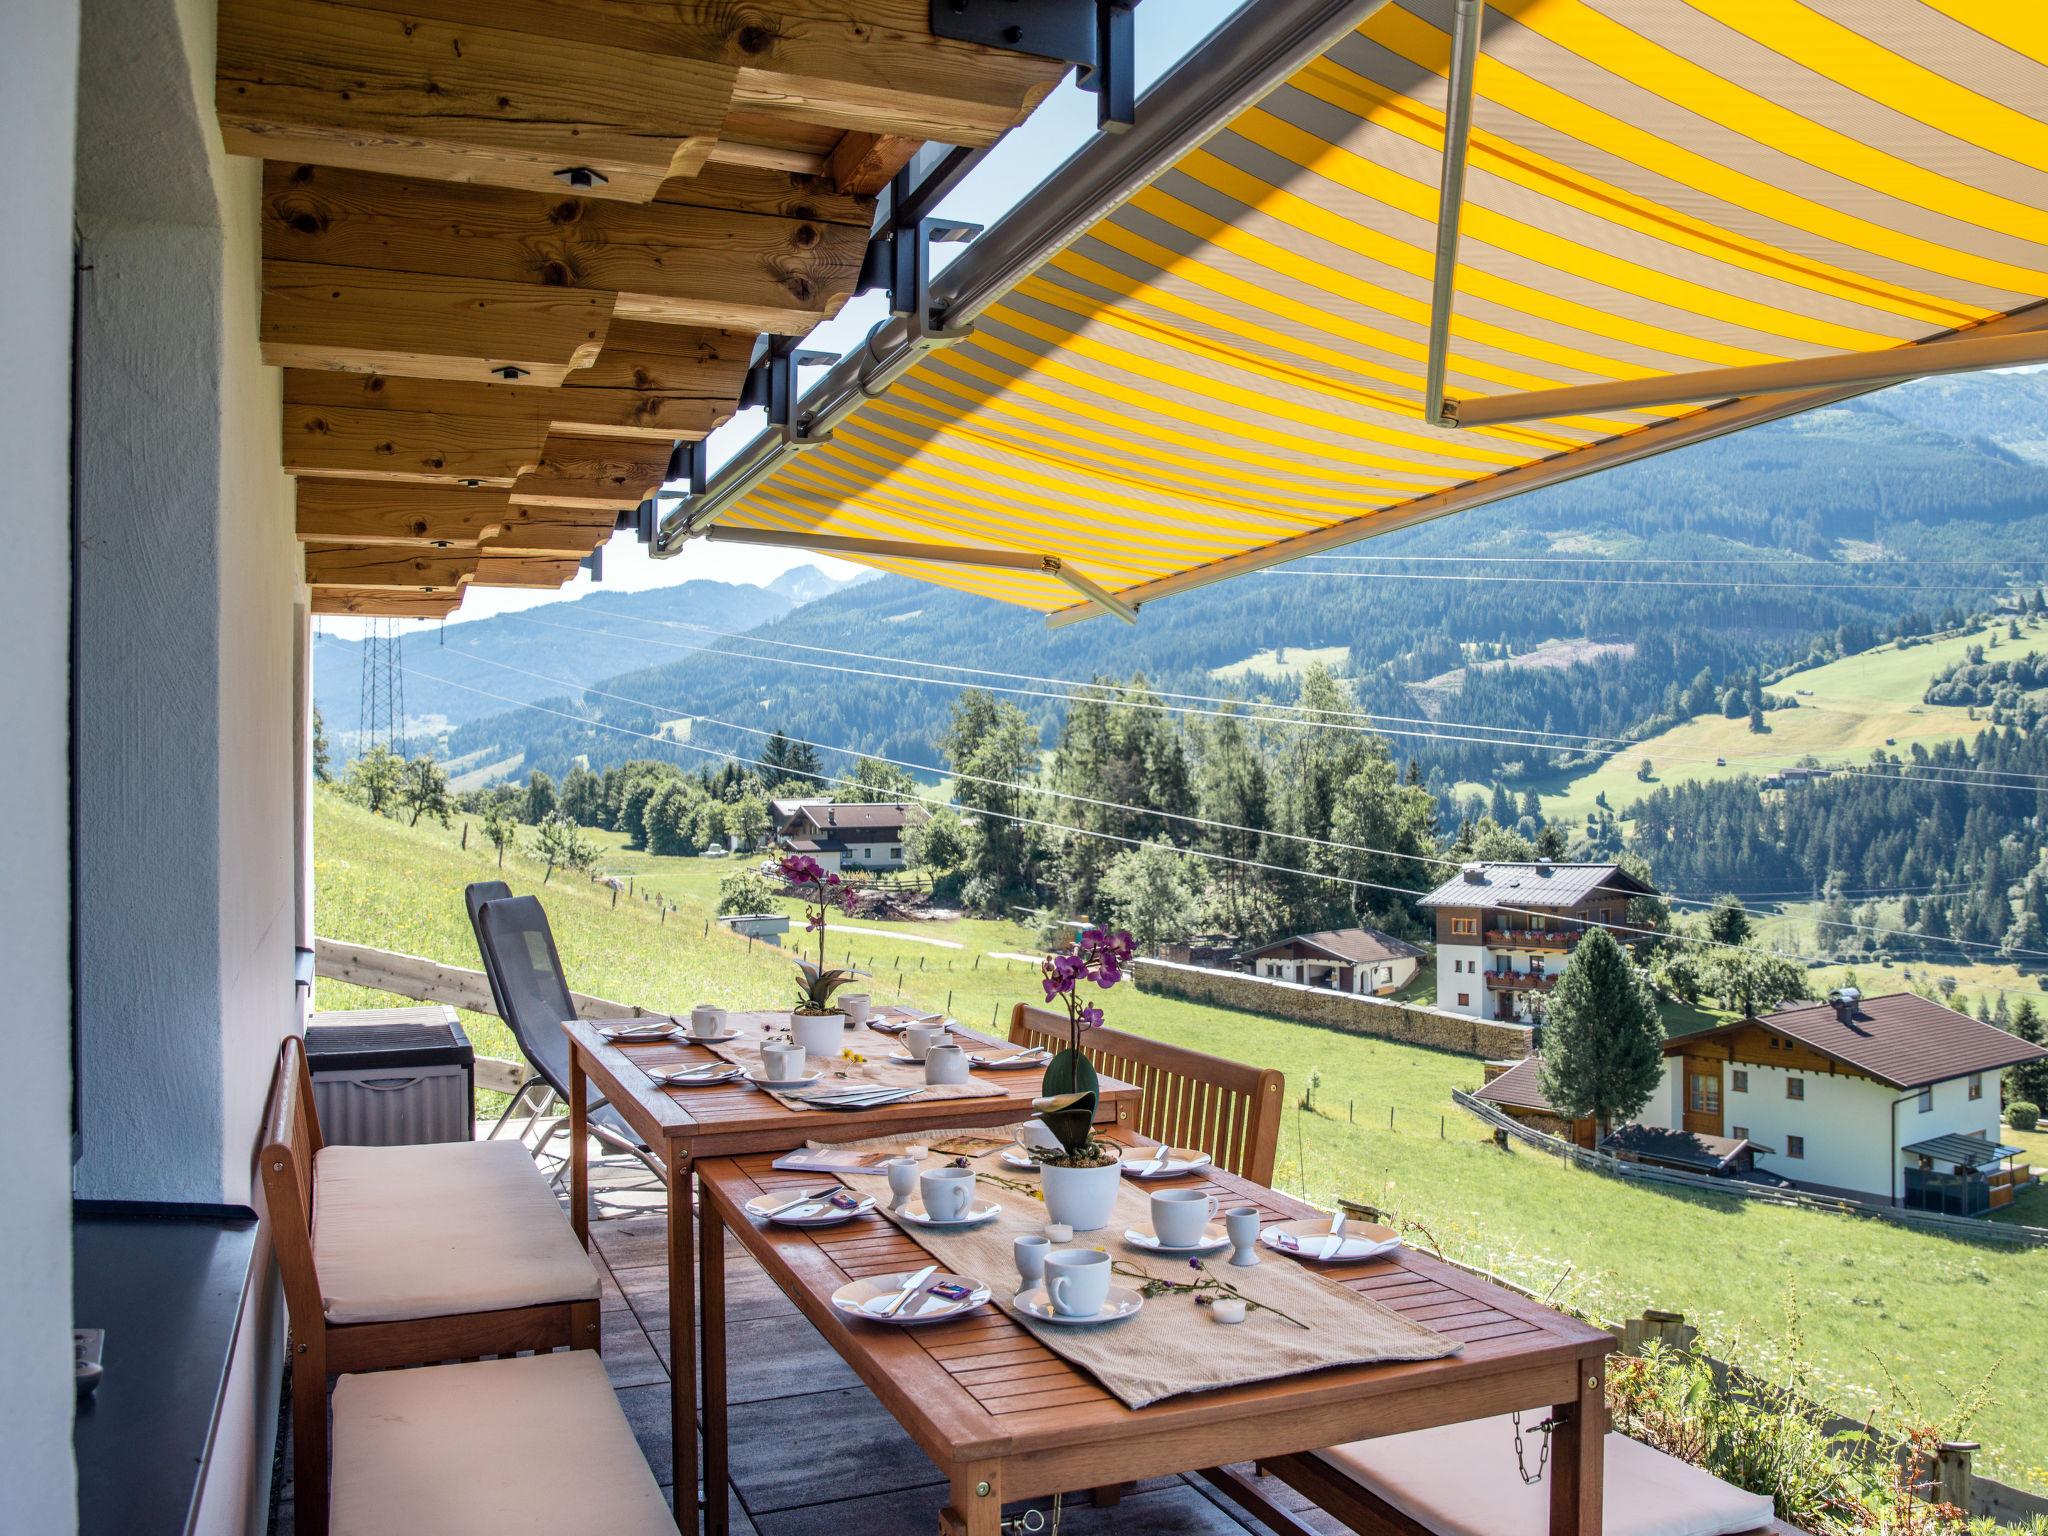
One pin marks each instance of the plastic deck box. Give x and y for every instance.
(392, 1077)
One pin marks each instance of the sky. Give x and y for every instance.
(1166, 32)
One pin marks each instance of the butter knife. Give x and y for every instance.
(910, 1289)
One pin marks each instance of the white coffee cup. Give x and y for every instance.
(707, 1019)
(1181, 1216)
(856, 1006)
(920, 1038)
(1077, 1281)
(948, 1192)
(782, 1061)
(945, 1063)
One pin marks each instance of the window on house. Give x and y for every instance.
(1465, 926)
(1464, 1001)
(1795, 1088)
(1925, 1104)
(1795, 1146)
(1976, 1085)
(896, 853)
(1738, 1082)
(1739, 1132)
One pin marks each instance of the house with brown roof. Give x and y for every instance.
(1505, 931)
(850, 836)
(1362, 960)
(1894, 1098)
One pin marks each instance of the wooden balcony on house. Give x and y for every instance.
(1519, 981)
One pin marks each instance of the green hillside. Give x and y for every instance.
(1937, 1312)
(1846, 709)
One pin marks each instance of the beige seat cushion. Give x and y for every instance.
(532, 1446)
(406, 1232)
(1462, 1480)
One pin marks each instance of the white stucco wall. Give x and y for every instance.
(38, 73)
(1450, 980)
(1848, 1122)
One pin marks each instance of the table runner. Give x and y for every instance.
(1172, 1346)
(872, 1045)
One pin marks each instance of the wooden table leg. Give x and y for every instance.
(1578, 1446)
(977, 1503)
(711, 1245)
(579, 1148)
(682, 1340)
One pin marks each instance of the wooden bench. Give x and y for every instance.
(1224, 1108)
(483, 1449)
(398, 1256)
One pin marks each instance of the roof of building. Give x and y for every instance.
(1358, 945)
(1520, 1087)
(1676, 1149)
(1540, 885)
(786, 807)
(878, 816)
(1961, 1148)
(1902, 1039)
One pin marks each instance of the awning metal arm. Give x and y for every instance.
(939, 554)
(1465, 43)
(1893, 365)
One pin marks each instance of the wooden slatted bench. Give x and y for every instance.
(406, 1256)
(1191, 1099)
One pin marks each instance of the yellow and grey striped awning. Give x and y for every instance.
(1227, 371)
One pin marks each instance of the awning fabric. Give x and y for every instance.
(1227, 370)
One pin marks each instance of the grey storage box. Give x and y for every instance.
(392, 1077)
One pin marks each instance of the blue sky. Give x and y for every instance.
(1166, 31)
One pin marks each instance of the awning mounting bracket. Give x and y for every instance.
(1096, 36)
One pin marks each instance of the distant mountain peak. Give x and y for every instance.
(806, 583)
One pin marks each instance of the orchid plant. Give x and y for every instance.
(1069, 1091)
(819, 889)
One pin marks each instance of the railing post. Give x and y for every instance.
(1948, 1473)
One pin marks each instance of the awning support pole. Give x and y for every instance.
(1465, 39)
(1096, 593)
(1963, 354)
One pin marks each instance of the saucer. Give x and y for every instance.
(856, 1297)
(985, 1064)
(689, 1039)
(1019, 1157)
(976, 1215)
(819, 1213)
(1122, 1302)
(1311, 1240)
(1214, 1238)
(641, 1034)
(903, 1058)
(684, 1079)
(1138, 1165)
(753, 1075)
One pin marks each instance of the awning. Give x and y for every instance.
(1963, 1150)
(1228, 371)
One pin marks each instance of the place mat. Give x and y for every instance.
(1153, 1355)
(874, 1067)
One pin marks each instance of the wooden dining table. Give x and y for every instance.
(1005, 1418)
(683, 1126)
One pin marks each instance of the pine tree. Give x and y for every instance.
(1602, 1038)
(323, 762)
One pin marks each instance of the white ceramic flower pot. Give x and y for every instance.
(821, 1034)
(1081, 1198)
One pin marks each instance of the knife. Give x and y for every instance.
(803, 1199)
(1159, 1160)
(909, 1289)
(1335, 1243)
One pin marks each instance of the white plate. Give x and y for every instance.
(1018, 1157)
(822, 1213)
(976, 1215)
(784, 1084)
(1122, 1302)
(1003, 1065)
(855, 1297)
(693, 1079)
(1139, 1164)
(640, 1034)
(688, 1039)
(1361, 1241)
(1213, 1238)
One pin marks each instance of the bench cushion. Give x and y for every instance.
(532, 1446)
(1462, 1480)
(429, 1231)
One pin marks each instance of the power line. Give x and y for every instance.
(1802, 560)
(1612, 581)
(1197, 821)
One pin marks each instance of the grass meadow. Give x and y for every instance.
(1891, 1317)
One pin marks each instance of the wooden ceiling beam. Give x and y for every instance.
(867, 162)
(660, 382)
(408, 445)
(358, 318)
(553, 533)
(681, 264)
(375, 512)
(376, 602)
(382, 566)
(524, 571)
(609, 473)
(454, 91)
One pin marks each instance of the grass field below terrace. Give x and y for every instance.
(1876, 1303)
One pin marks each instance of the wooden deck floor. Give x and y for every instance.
(813, 1453)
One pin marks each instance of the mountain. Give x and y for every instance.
(806, 583)
(1872, 517)
(446, 668)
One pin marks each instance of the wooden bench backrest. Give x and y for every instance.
(1191, 1099)
(291, 1140)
